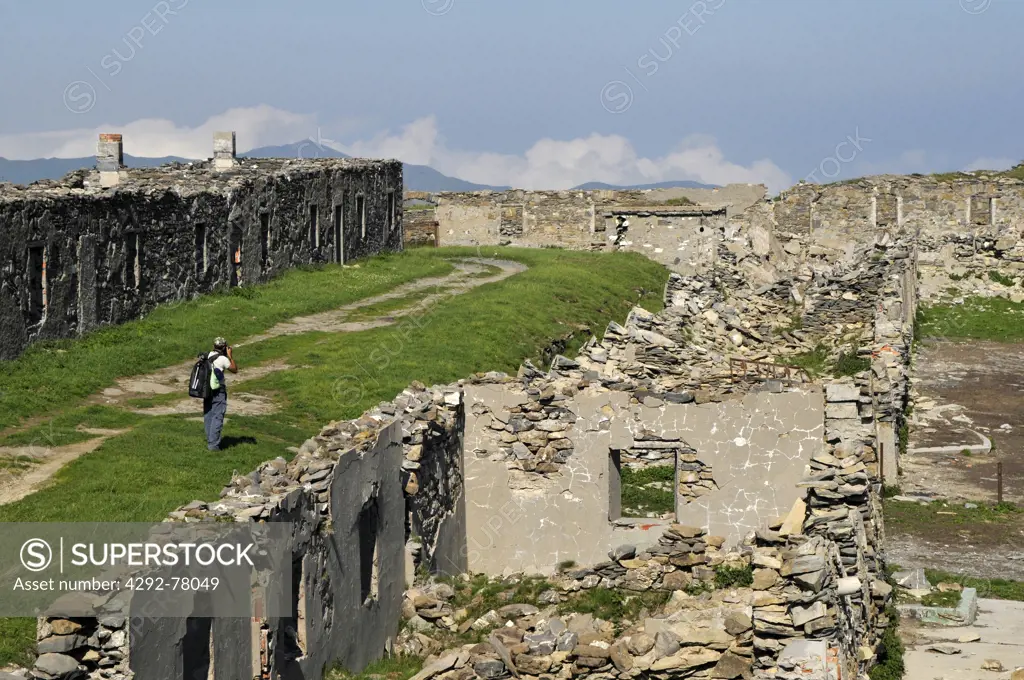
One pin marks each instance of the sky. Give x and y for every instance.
(532, 93)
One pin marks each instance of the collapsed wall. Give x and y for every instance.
(105, 247)
(501, 473)
(680, 228)
(367, 500)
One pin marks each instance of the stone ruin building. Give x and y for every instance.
(106, 246)
(774, 469)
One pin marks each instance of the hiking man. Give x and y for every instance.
(215, 405)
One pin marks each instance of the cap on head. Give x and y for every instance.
(220, 342)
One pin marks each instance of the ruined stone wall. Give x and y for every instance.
(75, 256)
(421, 227)
(683, 237)
(503, 473)
(368, 500)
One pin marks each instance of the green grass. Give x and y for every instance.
(814, 361)
(61, 429)
(385, 307)
(734, 577)
(16, 463)
(155, 400)
(1016, 172)
(17, 642)
(849, 364)
(614, 605)
(905, 516)
(388, 668)
(1000, 278)
(162, 462)
(639, 500)
(977, 318)
(994, 588)
(682, 200)
(53, 375)
(890, 664)
(950, 598)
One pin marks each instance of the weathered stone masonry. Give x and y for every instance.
(77, 254)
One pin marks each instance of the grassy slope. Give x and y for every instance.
(162, 463)
(50, 376)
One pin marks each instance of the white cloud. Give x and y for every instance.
(548, 164)
(560, 164)
(156, 137)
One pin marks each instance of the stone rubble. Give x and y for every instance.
(817, 573)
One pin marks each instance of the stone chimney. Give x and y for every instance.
(224, 150)
(110, 159)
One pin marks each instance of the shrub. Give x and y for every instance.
(729, 577)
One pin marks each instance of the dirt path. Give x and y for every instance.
(966, 394)
(43, 462)
(968, 400)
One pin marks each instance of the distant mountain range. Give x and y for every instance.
(417, 177)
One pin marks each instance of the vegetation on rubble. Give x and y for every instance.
(682, 200)
(813, 361)
(996, 319)
(849, 364)
(614, 605)
(938, 598)
(1000, 278)
(397, 667)
(648, 490)
(890, 664)
(993, 588)
(1016, 172)
(734, 577)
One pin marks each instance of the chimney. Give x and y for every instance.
(224, 150)
(110, 159)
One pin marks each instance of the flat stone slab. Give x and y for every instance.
(998, 633)
(963, 614)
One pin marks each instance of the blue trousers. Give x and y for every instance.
(214, 408)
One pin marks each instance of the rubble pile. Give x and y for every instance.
(958, 265)
(705, 636)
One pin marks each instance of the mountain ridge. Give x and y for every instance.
(417, 177)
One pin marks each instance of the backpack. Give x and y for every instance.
(199, 381)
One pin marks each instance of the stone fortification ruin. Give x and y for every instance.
(106, 246)
(776, 471)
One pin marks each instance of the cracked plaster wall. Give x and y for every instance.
(518, 521)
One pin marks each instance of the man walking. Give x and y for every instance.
(215, 405)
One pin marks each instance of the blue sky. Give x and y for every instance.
(533, 92)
